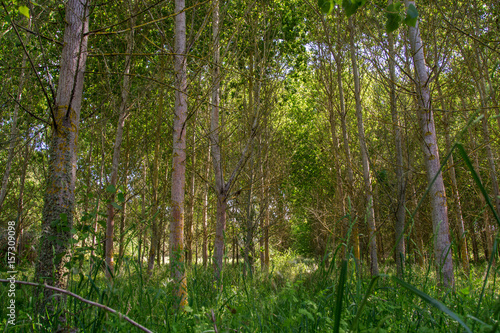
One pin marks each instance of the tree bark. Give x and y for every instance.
(401, 179)
(123, 114)
(370, 214)
(442, 246)
(57, 220)
(179, 158)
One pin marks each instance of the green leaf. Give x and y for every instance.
(121, 197)
(25, 11)
(306, 313)
(111, 189)
(117, 206)
(351, 7)
(434, 302)
(411, 16)
(326, 6)
(393, 21)
(63, 217)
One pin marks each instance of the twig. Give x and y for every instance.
(62, 291)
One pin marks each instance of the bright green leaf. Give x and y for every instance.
(25, 11)
(121, 197)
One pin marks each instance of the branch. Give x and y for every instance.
(62, 291)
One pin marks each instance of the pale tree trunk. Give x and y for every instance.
(370, 214)
(110, 223)
(215, 148)
(192, 193)
(156, 231)
(57, 220)
(20, 203)
(437, 193)
(14, 130)
(347, 150)
(222, 187)
(204, 218)
(462, 241)
(401, 179)
(95, 227)
(179, 157)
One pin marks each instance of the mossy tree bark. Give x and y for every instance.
(59, 201)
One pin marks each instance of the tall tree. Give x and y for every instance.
(57, 220)
(122, 116)
(370, 213)
(179, 157)
(437, 193)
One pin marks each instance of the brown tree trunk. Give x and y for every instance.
(179, 158)
(57, 220)
(123, 114)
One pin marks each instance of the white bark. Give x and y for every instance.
(442, 246)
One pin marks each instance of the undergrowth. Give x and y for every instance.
(295, 295)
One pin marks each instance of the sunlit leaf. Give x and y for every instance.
(25, 11)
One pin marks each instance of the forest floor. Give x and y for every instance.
(295, 295)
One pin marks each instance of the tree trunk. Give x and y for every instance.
(110, 223)
(370, 214)
(190, 213)
(462, 241)
(437, 193)
(123, 218)
(57, 220)
(179, 158)
(401, 179)
(14, 130)
(204, 218)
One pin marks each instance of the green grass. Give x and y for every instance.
(295, 296)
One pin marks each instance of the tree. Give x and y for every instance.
(179, 157)
(59, 202)
(437, 193)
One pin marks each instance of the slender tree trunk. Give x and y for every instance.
(462, 241)
(401, 179)
(123, 218)
(179, 157)
(155, 248)
(350, 174)
(204, 218)
(57, 220)
(437, 193)
(190, 213)
(14, 129)
(370, 214)
(110, 223)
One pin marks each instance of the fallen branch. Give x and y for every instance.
(62, 291)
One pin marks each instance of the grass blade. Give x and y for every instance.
(432, 301)
(473, 172)
(354, 326)
(340, 296)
